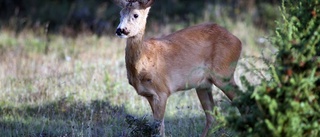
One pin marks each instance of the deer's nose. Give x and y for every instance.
(120, 31)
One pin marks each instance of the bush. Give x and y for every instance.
(289, 103)
(140, 127)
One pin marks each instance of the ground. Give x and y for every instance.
(52, 85)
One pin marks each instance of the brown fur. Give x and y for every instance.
(195, 57)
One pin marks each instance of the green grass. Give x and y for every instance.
(78, 87)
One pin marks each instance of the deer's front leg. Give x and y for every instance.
(158, 106)
(206, 100)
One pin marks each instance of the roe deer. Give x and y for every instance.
(195, 57)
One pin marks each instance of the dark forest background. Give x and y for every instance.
(101, 16)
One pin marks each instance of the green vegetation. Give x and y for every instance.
(288, 103)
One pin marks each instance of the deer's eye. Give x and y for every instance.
(135, 15)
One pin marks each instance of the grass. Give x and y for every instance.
(78, 89)
(51, 85)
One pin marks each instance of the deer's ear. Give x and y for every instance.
(145, 3)
(121, 3)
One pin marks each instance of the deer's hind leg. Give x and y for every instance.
(206, 100)
(223, 78)
(227, 86)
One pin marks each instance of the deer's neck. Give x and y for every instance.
(133, 53)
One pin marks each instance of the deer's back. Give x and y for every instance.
(194, 52)
(205, 43)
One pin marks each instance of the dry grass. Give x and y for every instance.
(78, 87)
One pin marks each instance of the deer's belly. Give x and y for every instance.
(194, 78)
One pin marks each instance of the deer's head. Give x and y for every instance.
(133, 19)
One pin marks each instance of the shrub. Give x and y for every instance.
(289, 103)
(140, 127)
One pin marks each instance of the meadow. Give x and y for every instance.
(54, 85)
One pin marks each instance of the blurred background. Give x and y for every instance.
(101, 16)
(62, 70)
